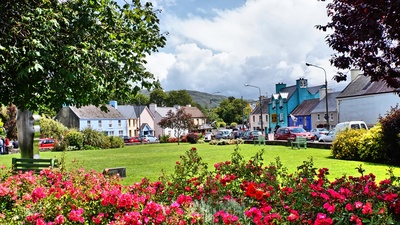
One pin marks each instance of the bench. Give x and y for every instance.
(28, 164)
(260, 140)
(299, 141)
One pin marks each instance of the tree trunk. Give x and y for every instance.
(25, 133)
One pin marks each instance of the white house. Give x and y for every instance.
(365, 100)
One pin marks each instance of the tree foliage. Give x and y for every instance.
(231, 110)
(159, 97)
(366, 36)
(390, 124)
(8, 117)
(179, 121)
(180, 97)
(75, 51)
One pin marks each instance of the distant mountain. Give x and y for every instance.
(201, 98)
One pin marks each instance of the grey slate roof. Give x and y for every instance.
(94, 112)
(127, 111)
(362, 85)
(265, 102)
(305, 107)
(332, 106)
(292, 89)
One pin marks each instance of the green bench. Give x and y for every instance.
(298, 142)
(28, 164)
(260, 140)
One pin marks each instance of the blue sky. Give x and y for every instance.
(220, 45)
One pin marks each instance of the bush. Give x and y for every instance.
(347, 143)
(74, 139)
(390, 135)
(116, 142)
(164, 138)
(95, 138)
(192, 138)
(51, 128)
(372, 147)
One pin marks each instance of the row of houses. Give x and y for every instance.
(301, 105)
(125, 120)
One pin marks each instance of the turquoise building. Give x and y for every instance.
(286, 99)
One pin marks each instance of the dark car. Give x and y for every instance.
(128, 139)
(290, 133)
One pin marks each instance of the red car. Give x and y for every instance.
(290, 133)
(131, 139)
(46, 143)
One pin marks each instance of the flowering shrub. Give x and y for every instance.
(235, 192)
(347, 143)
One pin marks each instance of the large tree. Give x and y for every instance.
(178, 121)
(231, 110)
(366, 36)
(74, 52)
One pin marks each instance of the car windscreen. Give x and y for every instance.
(297, 130)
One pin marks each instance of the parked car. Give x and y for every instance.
(224, 134)
(329, 137)
(46, 143)
(149, 138)
(208, 136)
(290, 133)
(351, 125)
(318, 132)
(254, 134)
(128, 139)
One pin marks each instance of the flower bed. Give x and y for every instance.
(235, 192)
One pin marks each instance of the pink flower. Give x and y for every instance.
(330, 208)
(367, 208)
(293, 216)
(349, 207)
(60, 219)
(323, 220)
(77, 215)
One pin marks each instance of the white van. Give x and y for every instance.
(350, 125)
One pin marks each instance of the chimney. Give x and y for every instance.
(153, 107)
(114, 104)
(322, 93)
(354, 73)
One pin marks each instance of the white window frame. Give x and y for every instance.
(89, 123)
(119, 123)
(100, 124)
(110, 123)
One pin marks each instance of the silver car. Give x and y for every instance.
(149, 138)
(329, 137)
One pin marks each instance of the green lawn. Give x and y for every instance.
(150, 159)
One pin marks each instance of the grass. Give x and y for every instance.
(151, 159)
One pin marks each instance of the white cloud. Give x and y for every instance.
(259, 42)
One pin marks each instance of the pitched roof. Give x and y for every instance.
(265, 102)
(305, 107)
(94, 112)
(362, 85)
(332, 106)
(292, 89)
(127, 111)
(194, 111)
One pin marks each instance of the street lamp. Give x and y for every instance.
(262, 127)
(326, 94)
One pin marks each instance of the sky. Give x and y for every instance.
(221, 45)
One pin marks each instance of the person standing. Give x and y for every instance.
(1, 145)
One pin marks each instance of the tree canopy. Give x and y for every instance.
(75, 51)
(366, 36)
(179, 121)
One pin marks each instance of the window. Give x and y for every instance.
(119, 123)
(111, 133)
(318, 117)
(305, 121)
(120, 133)
(281, 117)
(273, 104)
(88, 123)
(254, 119)
(331, 119)
(266, 118)
(281, 103)
(110, 123)
(100, 124)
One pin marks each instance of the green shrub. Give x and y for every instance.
(51, 128)
(372, 147)
(116, 142)
(95, 138)
(347, 143)
(390, 135)
(164, 138)
(74, 139)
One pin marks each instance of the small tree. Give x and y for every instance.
(178, 121)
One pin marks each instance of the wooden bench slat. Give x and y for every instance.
(299, 141)
(28, 164)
